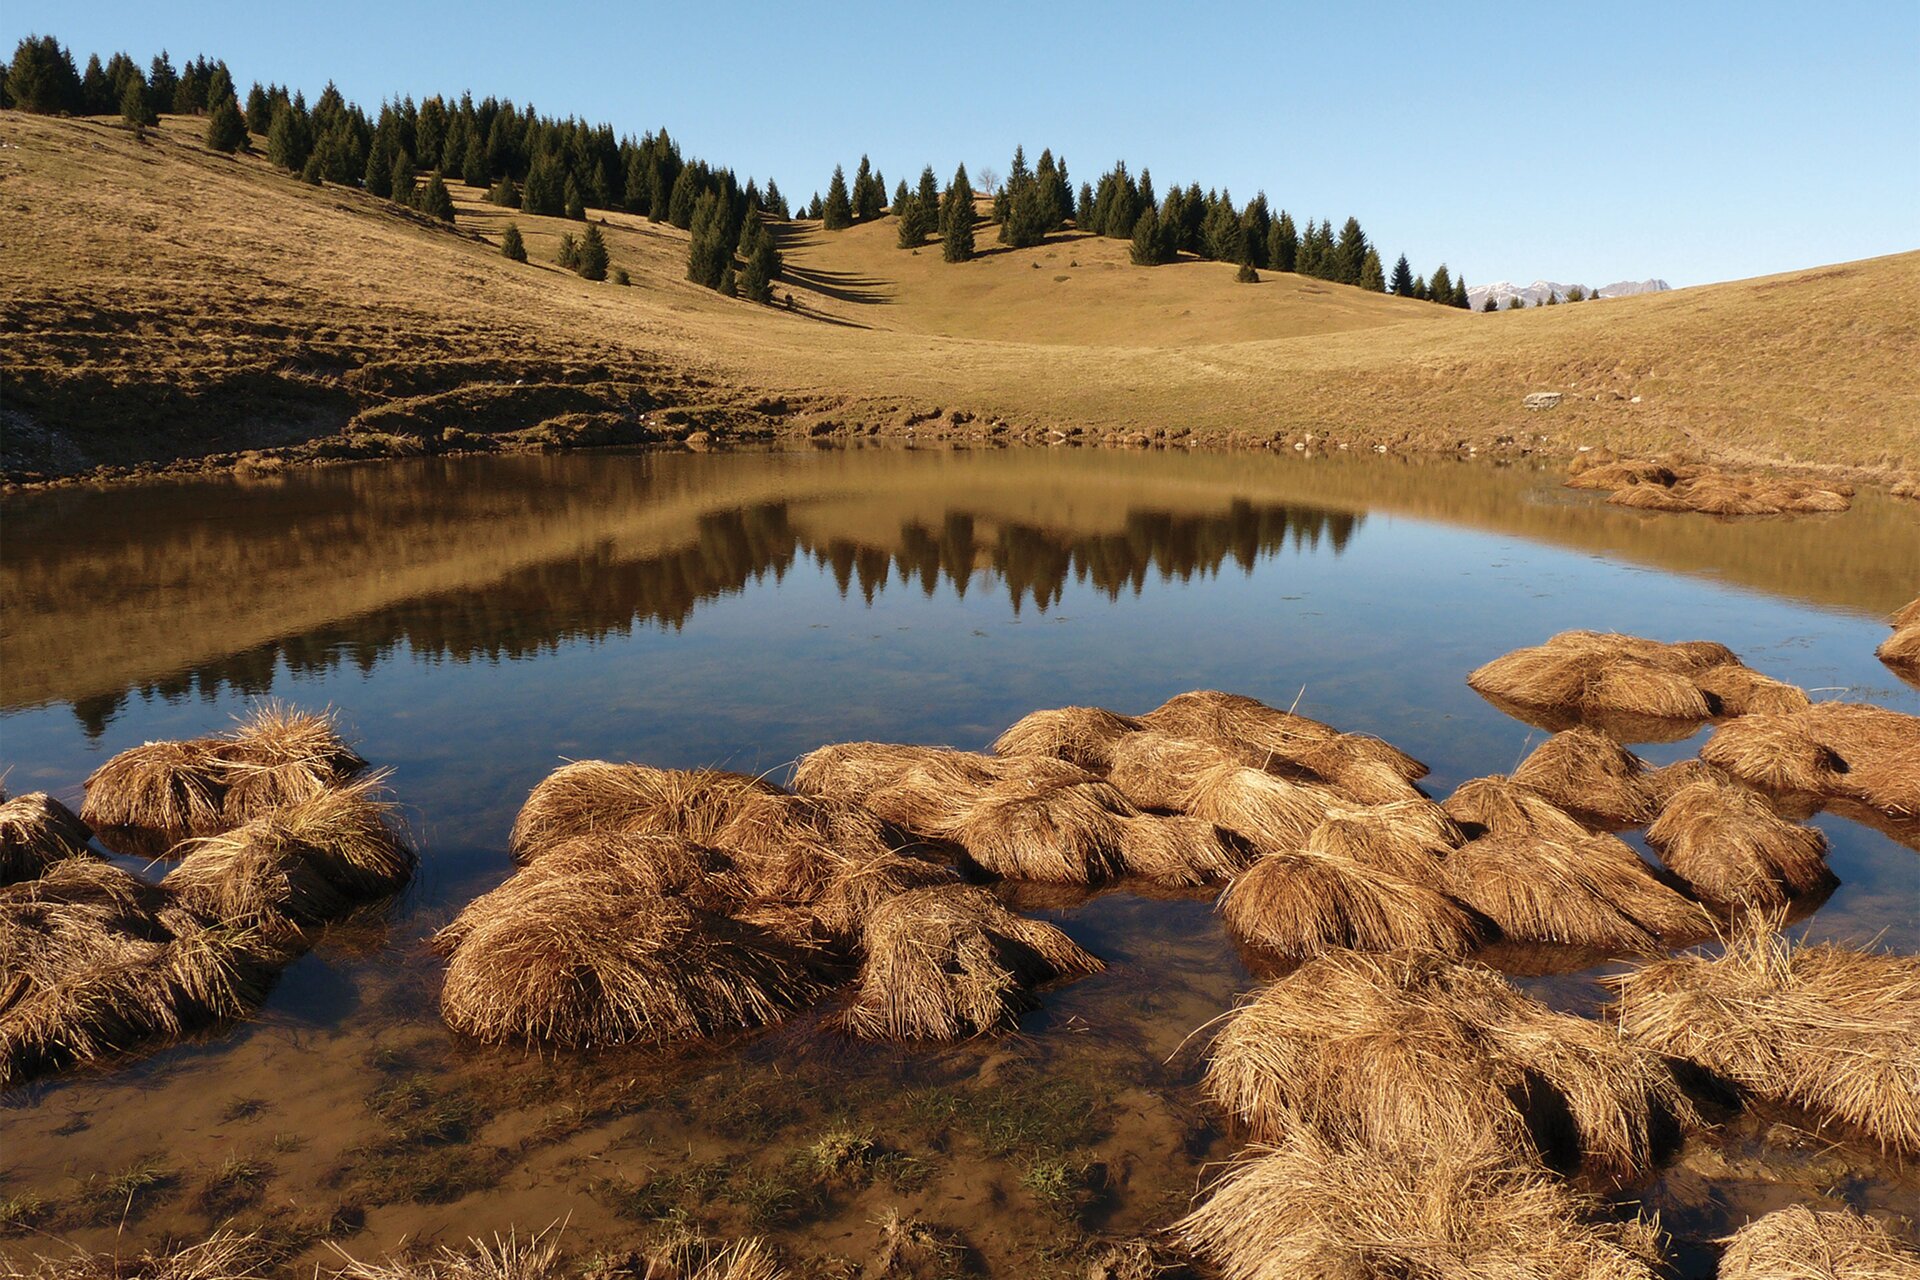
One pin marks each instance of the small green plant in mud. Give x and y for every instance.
(237, 1183)
(103, 1199)
(286, 1142)
(903, 1171)
(665, 1197)
(841, 1157)
(419, 1112)
(1060, 1186)
(420, 1175)
(23, 1212)
(743, 1109)
(242, 1109)
(771, 1198)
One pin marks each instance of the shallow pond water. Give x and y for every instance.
(476, 622)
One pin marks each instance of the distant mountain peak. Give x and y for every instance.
(1539, 291)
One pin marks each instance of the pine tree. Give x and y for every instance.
(1155, 240)
(1222, 236)
(1514, 303)
(916, 221)
(928, 194)
(838, 213)
(900, 198)
(435, 200)
(512, 246)
(1460, 298)
(41, 78)
(288, 144)
(1420, 289)
(310, 171)
(378, 178)
(1440, 286)
(505, 194)
(1027, 216)
(400, 182)
(862, 179)
(729, 285)
(957, 219)
(568, 253)
(1350, 253)
(1488, 304)
(1257, 221)
(226, 127)
(1372, 277)
(593, 254)
(763, 265)
(710, 252)
(96, 91)
(684, 201)
(162, 81)
(133, 105)
(1283, 243)
(576, 206)
(1402, 284)
(259, 110)
(816, 210)
(1246, 274)
(473, 165)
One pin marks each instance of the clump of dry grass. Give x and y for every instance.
(1602, 469)
(1407, 838)
(1305, 904)
(1069, 834)
(1271, 735)
(225, 1255)
(304, 862)
(947, 962)
(1179, 850)
(1817, 1244)
(279, 755)
(790, 847)
(1831, 749)
(1729, 845)
(1584, 772)
(1721, 493)
(37, 831)
(851, 895)
(921, 789)
(1271, 813)
(596, 957)
(1593, 892)
(1736, 690)
(1415, 1050)
(1833, 1031)
(1080, 735)
(1314, 1207)
(1159, 771)
(148, 797)
(593, 795)
(97, 961)
(1495, 805)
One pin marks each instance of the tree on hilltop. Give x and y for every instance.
(41, 78)
(593, 253)
(1371, 276)
(1283, 243)
(1440, 286)
(958, 219)
(435, 200)
(512, 247)
(226, 127)
(837, 214)
(134, 108)
(1402, 283)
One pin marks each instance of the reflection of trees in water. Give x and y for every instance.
(595, 595)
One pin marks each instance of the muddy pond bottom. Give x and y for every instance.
(477, 622)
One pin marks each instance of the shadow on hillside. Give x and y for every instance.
(841, 285)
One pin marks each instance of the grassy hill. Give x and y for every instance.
(162, 301)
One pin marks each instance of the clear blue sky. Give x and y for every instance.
(1582, 143)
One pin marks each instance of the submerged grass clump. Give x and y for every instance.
(592, 797)
(1730, 846)
(1593, 892)
(1307, 903)
(1818, 1244)
(1833, 1031)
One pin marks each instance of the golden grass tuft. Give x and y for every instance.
(37, 831)
(1082, 735)
(148, 797)
(278, 755)
(1495, 805)
(224, 1255)
(305, 862)
(1586, 773)
(1305, 904)
(1408, 838)
(1833, 1031)
(97, 961)
(593, 795)
(1906, 615)
(1588, 472)
(1416, 1050)
(851, 895)
(1729, 845)
(1312, 1207)
(1832, 749)
(1272, 814)
(1722, 493)
(1070, 834)
(596, 958)
(1737, 690)
(1157, 770)
(1179, 850)
(947, 962)
(1817, 1244)
(1594, 892)
(926, 790)
(667, 865)
(1902, 648)
(1247, 723)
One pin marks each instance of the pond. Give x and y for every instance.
(476, 622)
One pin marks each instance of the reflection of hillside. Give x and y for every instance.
(595, 593)
(103, 591)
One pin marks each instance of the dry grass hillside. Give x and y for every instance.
(161, 301)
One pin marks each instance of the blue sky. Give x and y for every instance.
(1585, 143)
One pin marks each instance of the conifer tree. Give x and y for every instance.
(259, 109)
(1489, 304)
(1257, 221)
(862, 179)
(1083, 208)
(162, 81)
(684, 201)
(1283, 243)
(1460, 298)
(96, 91)
(1223, 238)
(763, 264)
(505, 194)
(41, 78)
(1153, 240)
(1372, 277)
(400, 184)
(710, 252)
(957, 219)
(838, 213)
(435, 200)
(226, 127)
(900, 198)
(815, 210)
(576, 206)
(1246, 274)
(729, 285)
(916, 221)
(1514, 303)
(378, 178)
(134, 108)
(1440, 286)
(310, 171)
(473, 165)
(512, 246)
(1350, 253)
(287, 145)
(776, 203)
(928, 194)
(1420, 289)
(568, 252)
(593, 254)
(1402, 278)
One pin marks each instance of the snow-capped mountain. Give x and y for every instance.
(1534, 294)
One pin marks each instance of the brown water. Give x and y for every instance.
(476, 622)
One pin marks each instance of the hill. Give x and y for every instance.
(164, 302)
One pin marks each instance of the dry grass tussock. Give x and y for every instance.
(1496, 805)
(1818, 1244)
(1178, 850)
(596, 956)
(1085, 736)
(225, 1255)
(1068, 834)
(1731, 848)
(1160, 771)
(590, 796)
(1313, 1207)
(37, 831)
(1249, 725)
(947, 962)
(1845, 750)
(303, 863)
(1414, 1051)
(921, 789)
(1722, 493)
(148, 798)
(1307, 903)
(1902, 648)
(1833, 1031)
(1593, 892)
(97, 961)
(1586, 773)
(1604, 677)
(1271, 813)
(1408, 838)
